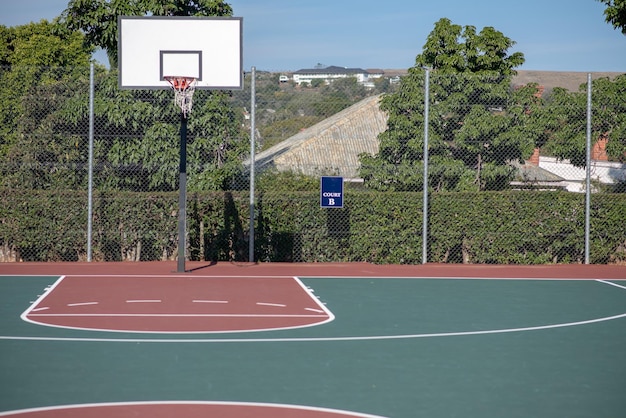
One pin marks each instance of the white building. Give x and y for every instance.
(604, 172)
(327, 74)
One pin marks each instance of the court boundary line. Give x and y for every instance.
(327, 339)
(611, 283)
(164, 315)
(274, 276)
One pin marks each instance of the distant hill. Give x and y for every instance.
(570, 80)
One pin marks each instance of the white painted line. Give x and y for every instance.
(156, 315)
(317, 339)
(82, 303)
(611, 283)
(144, 301)
(280, 305)
(278, 276)
(24, 315)
(40, 309)
(314, 310)
(316, 299)
(209, 301)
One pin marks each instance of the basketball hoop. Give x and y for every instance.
(184, 88)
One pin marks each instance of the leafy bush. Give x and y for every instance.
(473, 227)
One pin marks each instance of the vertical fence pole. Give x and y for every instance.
(182, 196)
(90, 163)
(588, 173)
(252, 129)
(425, 186)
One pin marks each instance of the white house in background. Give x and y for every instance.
(327, 74)
(375, 73)
(604, 172)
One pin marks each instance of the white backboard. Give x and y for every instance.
(153, 47)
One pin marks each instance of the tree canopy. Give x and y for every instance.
(451, 48)
(565, 116)
(44, 97)
(615, 13)
(98, 18)
(39, 62)
(477, 122)
(480, 126)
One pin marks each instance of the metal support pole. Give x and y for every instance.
(588, 174)
(90, 164)
(182, 199)
(252, 129)
(425, 187)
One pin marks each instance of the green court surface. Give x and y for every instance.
(397, 348)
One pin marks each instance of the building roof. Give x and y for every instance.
(530, 176)
(332, 146)
(333, 69)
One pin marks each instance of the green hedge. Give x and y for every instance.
(521, 227)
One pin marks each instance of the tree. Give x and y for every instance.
(42, 64)
(615, 13)
(476, 126)
(219, 144)
(98, 18)
(137, 136)
(451, 48)
(567, 118)
(140, 149)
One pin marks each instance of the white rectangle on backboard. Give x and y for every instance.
(209, 48)
(181, 63)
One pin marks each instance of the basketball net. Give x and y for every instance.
(184, 88)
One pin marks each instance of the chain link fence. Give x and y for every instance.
(506, 167)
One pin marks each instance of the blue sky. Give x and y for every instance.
(283, 35)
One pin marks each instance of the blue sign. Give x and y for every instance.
(331, 195)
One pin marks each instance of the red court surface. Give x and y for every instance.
(180, 304)
(184, 410)
(559, 271)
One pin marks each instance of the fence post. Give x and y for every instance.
(425, 183)
(588, 173)
(90, 163)
(252, 128)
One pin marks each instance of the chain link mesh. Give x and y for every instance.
(500, 187)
